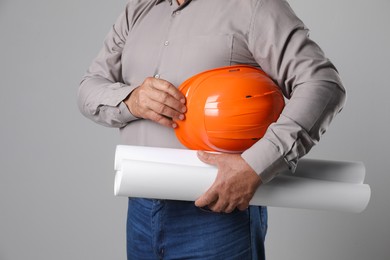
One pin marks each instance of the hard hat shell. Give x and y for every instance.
(228, 108)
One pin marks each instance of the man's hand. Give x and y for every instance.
(234, 186)
(157, 100)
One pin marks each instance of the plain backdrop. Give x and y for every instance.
(56, 167)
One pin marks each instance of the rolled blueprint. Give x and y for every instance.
(178, 174)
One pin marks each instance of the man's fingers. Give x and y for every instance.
(230, 209)
(243, 206)
(164, 98)
(211, 198)
(219, 206)
(161, 119)
(157, 100)
(166, 109)
(208, 158)
(235, 184)
(206, 199)
(166, 87)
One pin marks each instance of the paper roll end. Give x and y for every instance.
(117, 159)
(117, 182)
(368, 197)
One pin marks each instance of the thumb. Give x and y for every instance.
(208, 158)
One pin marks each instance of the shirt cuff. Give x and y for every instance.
(265, 159)
(116, 94)
(116, 100)
(125, 115)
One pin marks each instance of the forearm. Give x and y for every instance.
(102, 91)
(281, 45)
(298, 129)
(102, 101)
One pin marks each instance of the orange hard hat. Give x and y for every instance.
(228, 108)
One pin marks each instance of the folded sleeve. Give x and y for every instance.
(102, 91)
(314, 93)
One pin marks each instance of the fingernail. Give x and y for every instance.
(174, 125)
(183, 100)
(184, 109)
(181, 117)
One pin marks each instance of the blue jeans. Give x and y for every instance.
(166, 229)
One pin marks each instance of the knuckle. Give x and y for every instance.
(205, 200)
(148, 81)
(154, 117)
(164, 98)
(208, 200)
(165, 84)
(142, 94)
(161, 120)
(160, 109)
(141, 100)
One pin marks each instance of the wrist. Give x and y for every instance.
(131, 103)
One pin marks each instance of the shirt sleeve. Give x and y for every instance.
(102, 91)
(280, 44)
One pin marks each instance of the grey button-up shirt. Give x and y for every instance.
(162, 39)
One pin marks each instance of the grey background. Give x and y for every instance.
(56, 167)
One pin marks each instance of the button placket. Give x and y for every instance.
(166, 43)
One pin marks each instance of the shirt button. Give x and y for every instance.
(176, 13)
(166, 43)
(157, 76)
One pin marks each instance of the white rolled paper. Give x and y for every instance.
(178, 174)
